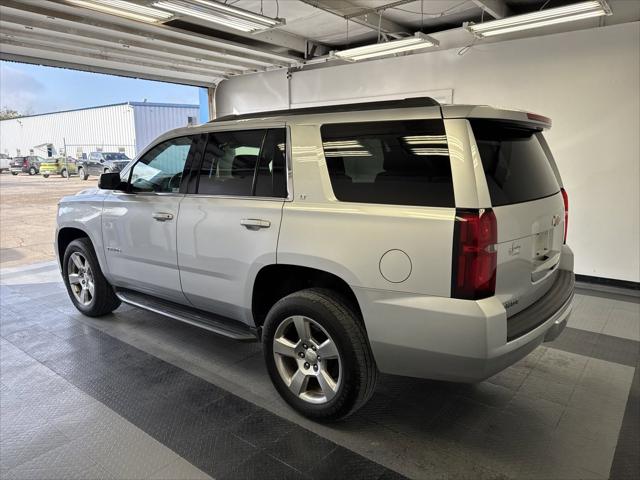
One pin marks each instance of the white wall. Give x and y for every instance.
(109, 127)
(587, 81)
(129, 125)
(152, 120)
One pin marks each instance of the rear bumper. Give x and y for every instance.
(452, 339)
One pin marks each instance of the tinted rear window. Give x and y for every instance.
(515, 164)
(399, 162)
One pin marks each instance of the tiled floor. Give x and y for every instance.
(135, 395)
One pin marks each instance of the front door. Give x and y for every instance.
(93, 162)
(230, 219)
(139, 226)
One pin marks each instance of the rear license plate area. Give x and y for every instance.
(542, 244)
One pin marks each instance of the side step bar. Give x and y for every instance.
(209, 321)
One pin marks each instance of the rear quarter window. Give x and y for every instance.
(393, 162)
(514, 161)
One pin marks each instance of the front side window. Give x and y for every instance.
(395, 162)
(244, 163)
(161, 168)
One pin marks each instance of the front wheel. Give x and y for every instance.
(82, 174)
(32, 171)
(64, 173)
(317, 354)
(89, 291)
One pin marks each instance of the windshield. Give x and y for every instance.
(115, 156)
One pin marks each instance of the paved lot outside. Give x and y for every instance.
(28, 208)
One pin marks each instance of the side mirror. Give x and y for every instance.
(111, 181)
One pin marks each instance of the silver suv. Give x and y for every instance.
(399, 237)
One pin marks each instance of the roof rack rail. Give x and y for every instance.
(414, 102)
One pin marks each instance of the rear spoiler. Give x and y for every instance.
(481, 111)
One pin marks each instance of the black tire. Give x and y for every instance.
(82, 174)
(32, 171)
(342, 323)
(64, 173)
(104, 301)
(14, 173)
(45, 175)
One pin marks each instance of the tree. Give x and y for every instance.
(7, 113)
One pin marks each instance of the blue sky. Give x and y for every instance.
(35, 89)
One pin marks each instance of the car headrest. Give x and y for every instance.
(243, 165)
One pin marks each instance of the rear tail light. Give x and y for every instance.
(474, 254)
(565, 198)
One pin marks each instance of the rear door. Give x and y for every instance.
(230, 219)
(526, 199)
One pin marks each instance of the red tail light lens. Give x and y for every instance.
(565, 198)
(474, 254)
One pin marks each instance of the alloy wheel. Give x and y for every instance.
(81, 278)
(307, 359)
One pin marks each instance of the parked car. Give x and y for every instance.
(102, 162)
(5, 162)
(29, 164)
(399, 237)
(58, 166)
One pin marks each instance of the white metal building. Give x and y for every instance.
(126, 127)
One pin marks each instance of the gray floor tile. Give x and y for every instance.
(555, 414)
(179, 469)
(623, 323)
(64, 462)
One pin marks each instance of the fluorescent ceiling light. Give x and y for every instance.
(418, 41)
(342, 144)
(430, 151)
(126, 9)
(542, 18)
(348, 153)
(425, 139)
(221, 14)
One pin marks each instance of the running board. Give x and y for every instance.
(199, 318)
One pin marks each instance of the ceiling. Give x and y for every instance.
(189, 50)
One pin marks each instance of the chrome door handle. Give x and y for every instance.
(254, 223)
(162, 216)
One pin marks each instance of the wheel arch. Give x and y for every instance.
(276, 281)
(68, 233)
(65, 236)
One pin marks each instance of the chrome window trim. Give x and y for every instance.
(126, 172)
(239, 197)
(287, 161)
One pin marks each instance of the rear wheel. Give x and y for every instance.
(64, 173)
(45, 175)
(318, 356)
(32, 171)
(89, 291)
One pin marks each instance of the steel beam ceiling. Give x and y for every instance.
(56, 33)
